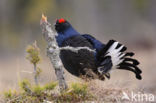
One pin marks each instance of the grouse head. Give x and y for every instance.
(61, 25)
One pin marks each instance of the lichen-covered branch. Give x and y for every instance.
(53, 51)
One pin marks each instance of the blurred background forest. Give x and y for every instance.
(132, 22)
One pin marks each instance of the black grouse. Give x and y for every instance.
(98, 64)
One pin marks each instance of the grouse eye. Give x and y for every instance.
(61, 20)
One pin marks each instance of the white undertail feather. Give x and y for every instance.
(115, 57)
(115, 54)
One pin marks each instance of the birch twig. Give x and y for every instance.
(53, 51)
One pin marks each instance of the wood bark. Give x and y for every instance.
(53, 51)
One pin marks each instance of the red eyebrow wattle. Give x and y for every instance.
(61, 20)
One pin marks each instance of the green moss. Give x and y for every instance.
(77, 92)
(37, 90)
(50, 86)
(8, 94)
(79, 88)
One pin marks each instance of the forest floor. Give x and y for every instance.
(104, 91)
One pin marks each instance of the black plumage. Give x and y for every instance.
(76, 66)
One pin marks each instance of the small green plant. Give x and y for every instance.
(34, 58)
